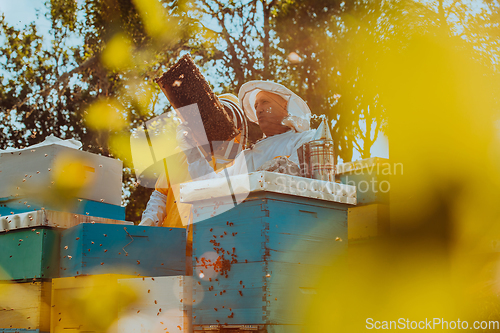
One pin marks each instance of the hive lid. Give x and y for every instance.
(50, 218)
(242, 185)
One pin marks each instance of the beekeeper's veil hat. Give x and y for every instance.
(299, 113)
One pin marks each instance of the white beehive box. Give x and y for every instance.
(163, 305)
(42, 170)
(25, 306)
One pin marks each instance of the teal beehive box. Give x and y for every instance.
(97, 248)
(259, 252)
(15, 205)
(27, 254)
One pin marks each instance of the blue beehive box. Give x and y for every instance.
(15, 205)
(95, 248)
(371, 177)
(260, 262)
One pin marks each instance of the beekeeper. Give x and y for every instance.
(162, 208)
(283, 117)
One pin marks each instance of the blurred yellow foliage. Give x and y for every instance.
(141, 94)
(91, 303)
(118, 53)
(155, 18)
(439, 261)
(119, 144)
(161, 132)
(70, 174)
(105, 114)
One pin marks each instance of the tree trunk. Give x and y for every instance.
(266, 52)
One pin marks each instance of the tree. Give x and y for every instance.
(321, 34)
(94, 80)
(103, 56)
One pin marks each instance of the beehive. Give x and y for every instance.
(60, 172)
(16, 205)
(25, 306)
(266, 261)
(260, 261)
(88, 303)
(26, 254)
(368, 221)
(95, 248)
(184, 85)
(163, 304)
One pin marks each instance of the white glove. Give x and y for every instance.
(187, 143)
(156, 210)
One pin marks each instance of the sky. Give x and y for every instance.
(22, 12)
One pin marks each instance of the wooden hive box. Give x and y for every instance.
(25, 306)
(371, 177)
(260, 262)
(95, 248)
(31, 172)
(28, 254)
(368, 221)
(88, 303)
(163, 304)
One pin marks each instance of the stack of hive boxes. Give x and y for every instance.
(66, 255)
(61, 178)
(64, 245)
(96, 263)
(257, 264)
(30, 259)
(370, 218)
(34, 211)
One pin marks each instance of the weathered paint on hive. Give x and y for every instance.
(263, 267)
(136, 250)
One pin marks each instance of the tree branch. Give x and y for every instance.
(64, 78)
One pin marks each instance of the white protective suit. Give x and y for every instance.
(249, 160)
(285, 144)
